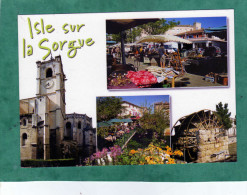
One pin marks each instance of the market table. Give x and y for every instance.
(122, 79)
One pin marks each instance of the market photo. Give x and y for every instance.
(167, 53)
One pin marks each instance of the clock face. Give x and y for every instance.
(49, 84)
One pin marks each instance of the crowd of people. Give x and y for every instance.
(157, 51)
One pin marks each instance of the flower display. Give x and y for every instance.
(115, 151)
(149, 156)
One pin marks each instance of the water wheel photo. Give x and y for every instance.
(190, 130)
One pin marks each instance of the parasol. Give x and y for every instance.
(163, 39)
(104, 124)
(120, 25)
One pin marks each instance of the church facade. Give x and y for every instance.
(46, 131)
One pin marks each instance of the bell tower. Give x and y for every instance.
(50, 104)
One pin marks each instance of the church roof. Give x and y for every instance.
(76, 115)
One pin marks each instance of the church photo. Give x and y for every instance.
(48, 135)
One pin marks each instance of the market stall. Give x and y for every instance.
(174, 60)
(149, 78)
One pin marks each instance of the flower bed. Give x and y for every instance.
(148, 156)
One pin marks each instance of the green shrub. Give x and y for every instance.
(48, 163)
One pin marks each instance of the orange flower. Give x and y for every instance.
(132, 152)
(171, 161)
(178, 153)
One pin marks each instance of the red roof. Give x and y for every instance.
(191, 32)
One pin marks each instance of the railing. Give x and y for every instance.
(123, 140)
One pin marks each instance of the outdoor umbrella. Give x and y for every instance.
(120, 25)
(104, 124)
(220, 32)
(116, 120)
(163, 39)
(127, 120)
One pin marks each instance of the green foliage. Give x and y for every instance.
(158, 27)
(121, 141)
(152, 28)
(155, 121)
(69, 149)
(130, 37)
(223, 115)
(48, 163)
(104, 131)
(108, 108)
(127, 159)
(116, 37)
(135, 144)
(132, 33)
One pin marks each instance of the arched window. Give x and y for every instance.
(24, 122)
(68, 132)
(24, 139)
(48, 73)
(79, 125)
(91, 139)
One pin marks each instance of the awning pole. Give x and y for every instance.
(122, 47)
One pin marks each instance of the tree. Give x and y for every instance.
(132, 33)
(155, 122)
(158, 27)
(223, 114)
(116, 37)
(108, 108)
(151, 28)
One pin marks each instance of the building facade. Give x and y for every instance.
(163, 106)
(43, 118)
(131, 110)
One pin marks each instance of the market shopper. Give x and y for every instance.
(113, 52)
(142, 53)
(163, 59)
(161, 51)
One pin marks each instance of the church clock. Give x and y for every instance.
(49, 84)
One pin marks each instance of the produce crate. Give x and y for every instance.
(146, 60)
(209, 79)
(223, 79)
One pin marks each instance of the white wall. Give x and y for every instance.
(86, 72)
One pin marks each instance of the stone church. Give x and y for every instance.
(46, 131)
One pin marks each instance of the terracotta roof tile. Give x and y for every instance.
(191, 32)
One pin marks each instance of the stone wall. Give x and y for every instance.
(28, 139)
(212, 146)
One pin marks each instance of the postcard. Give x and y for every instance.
(167, 52)
(118, 89)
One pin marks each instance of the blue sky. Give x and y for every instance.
(205, 21)
(143, 100)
